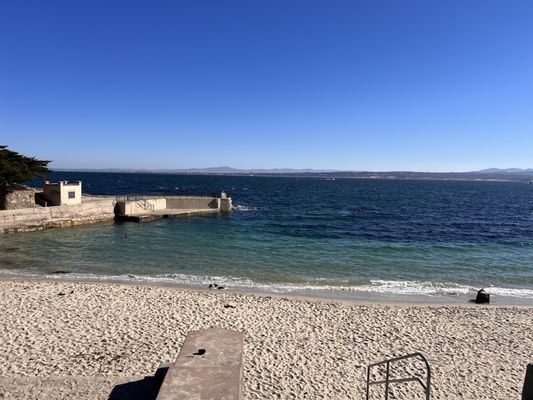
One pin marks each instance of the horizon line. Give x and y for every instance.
(281, 170)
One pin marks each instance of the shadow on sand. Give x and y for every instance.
(144, 389)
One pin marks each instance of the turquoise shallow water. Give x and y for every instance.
(355, 237)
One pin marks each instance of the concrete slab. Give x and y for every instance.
(167, 213)
(208, 367)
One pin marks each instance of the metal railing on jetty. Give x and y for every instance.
(147, 206)
(148, 196)
(412, 378)
(138, 197)
(98, 196)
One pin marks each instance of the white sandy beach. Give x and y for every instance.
(81, 344)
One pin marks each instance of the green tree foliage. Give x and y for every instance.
(15, 167)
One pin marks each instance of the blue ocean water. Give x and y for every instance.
(357, 237)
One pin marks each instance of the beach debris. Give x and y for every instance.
(482, 297)
(200, 352)
(215, 286)
(229, 306)
(61, 294)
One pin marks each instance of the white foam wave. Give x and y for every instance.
(438, 288)
(244, 208)
(414, 287)
(385, 287)
(507, 292)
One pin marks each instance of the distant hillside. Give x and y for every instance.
(475, 175)
(511, 174)
(208, 170)
(514, 171)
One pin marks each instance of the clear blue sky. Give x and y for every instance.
(359, 85)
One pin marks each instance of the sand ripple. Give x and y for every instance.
(294, 349)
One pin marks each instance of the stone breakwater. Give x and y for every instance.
(18, 198)
(100, 209)
(38, 218)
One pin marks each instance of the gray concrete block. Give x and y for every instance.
(208, 367)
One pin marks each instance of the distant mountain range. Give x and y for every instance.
(507, 171)
(508, 174)
(231, 170)
(210, 170)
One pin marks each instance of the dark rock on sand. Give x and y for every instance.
(482, 297)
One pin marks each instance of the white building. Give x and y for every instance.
(62, 193)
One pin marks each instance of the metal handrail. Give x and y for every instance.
(387, 381)
(138, 197)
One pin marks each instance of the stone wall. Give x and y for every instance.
(168, 203)
(17, 199)
(97, 210)
(192, 202)
(226, 204)
(141, 206)
(31, 219)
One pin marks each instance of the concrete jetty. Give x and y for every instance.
(149, 208)
(92, 209)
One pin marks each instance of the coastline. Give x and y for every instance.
(116, 333)
(392, 301)
(347, 296)
(338, 240)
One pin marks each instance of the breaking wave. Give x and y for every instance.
(383, 287)
(239, 207)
